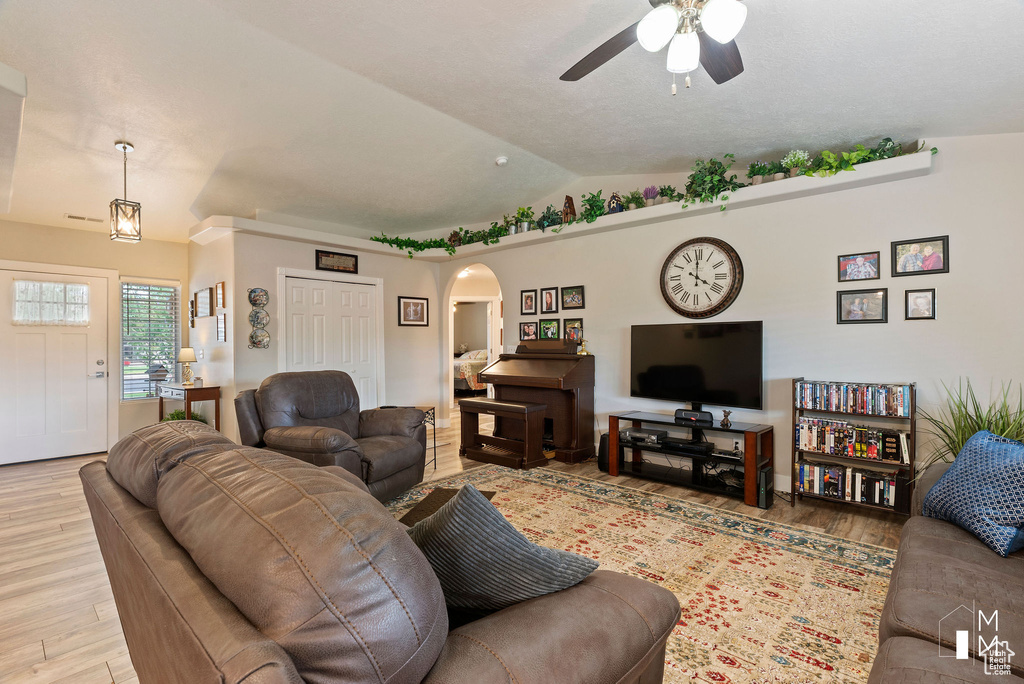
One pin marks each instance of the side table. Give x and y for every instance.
(189, 395)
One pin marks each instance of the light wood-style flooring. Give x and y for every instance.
(58, 622)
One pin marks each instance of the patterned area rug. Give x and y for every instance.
(762, 601)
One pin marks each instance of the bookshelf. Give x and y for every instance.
(847, 429)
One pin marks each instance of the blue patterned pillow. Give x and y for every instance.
(983, 492)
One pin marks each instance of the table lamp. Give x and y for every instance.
(186, 356)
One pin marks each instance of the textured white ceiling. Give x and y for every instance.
(388, 117)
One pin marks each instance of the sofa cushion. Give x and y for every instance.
(385, 455)
(983, 492)
(912, 661)
(484, 563)
(139, 460)
(316, 564)
(321, 398)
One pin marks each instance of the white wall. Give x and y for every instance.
(207, 266)
(471, 325)
(789, 252)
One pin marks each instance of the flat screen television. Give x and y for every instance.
(699, 363)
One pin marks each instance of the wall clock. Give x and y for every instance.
(701, 277)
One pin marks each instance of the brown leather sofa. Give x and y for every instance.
(234, 564)
(942, 575)
(315, 417)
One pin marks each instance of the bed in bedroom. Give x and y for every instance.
(467, 367)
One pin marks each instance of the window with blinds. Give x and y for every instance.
(150, 338)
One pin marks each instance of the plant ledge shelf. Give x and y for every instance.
(870, 173)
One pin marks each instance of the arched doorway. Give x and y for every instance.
(474, 329)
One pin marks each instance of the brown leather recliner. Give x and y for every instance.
(314, 416)
(232, 564)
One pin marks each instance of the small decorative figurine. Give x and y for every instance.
(583, 349)
(725, 419)
(568, 210)
(615, 204)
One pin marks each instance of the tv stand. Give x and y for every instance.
(758, 452)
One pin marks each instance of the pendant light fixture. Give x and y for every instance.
(125, 216)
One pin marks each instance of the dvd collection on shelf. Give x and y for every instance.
(842, 438)
(875, 487)
(869, 399)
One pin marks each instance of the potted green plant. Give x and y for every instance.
(665, 194)
(524, 219)
(796, 161)
(179, 414)
(550, 217)
(756, 172)
(776, 170)
(650, 194)
(593, 207)
(634, 199)
(711, 181)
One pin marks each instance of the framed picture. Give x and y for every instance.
(862, 306)
(413, 311)
(219, 294)
(919, 305)
(336, 261)
(549, 300)
(572, 297)
(919, 257)
(549, 329)
(204, 302)
(528, 330)
(192, 313)
(573, 329)
(222, 327)
(528, 302)
(859, 266)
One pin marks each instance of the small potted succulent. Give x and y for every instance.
(650, 194)
(634, 199)
(756, 172)
(796, 161)
(550, 217)
(524, 219)
(665, 194)
(776, 170)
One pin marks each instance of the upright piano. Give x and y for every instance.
(549, 372)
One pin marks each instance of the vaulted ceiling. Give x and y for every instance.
(388, 116)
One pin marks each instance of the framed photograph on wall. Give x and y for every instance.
(528, 330)
(204, 302)
(218, 290)
(862, 306)
(862, 266)
(222, 327)
(336, 261)
(549, 300)
(920, 257)
(919, 305)
(413, 311)
(572, 297)
(572, 329)
(549, 329)
(528, 302)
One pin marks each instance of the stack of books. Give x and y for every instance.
(841, 438)
(874, 400)
(888, 489)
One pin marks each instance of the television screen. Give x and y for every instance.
(704, 363)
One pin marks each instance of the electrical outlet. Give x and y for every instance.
(200, 353)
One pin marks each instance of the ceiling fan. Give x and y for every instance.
(697, 32)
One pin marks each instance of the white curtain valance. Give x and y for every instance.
(50, 303)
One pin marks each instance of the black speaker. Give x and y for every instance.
(602, 455)
(700, 418)
(766, 487)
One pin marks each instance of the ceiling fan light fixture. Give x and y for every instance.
(683, 53)
(656, 29)
(723, 19)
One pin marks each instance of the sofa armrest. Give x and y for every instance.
(320, 446)
(924, 485)
(608, 628)
(390, 421)
(347, 476)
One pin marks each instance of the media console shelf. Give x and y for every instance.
(758, 452)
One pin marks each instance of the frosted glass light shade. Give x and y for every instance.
(684, 53)
(656, 29)
(723, 19)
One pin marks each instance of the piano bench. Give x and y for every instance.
(499, 450)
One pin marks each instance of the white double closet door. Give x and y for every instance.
(333, 326)
(53, 378)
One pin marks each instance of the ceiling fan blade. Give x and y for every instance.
(611, 47)
(722, 62)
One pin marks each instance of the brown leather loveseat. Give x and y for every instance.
(315, 417)
(235, 564)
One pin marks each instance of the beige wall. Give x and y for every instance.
(207, 266)
(471, 324)
(93, 249)
(789, 252)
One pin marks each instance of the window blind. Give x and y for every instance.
(150, 337)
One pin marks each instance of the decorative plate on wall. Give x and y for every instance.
(259, 339)
(259, 297)
(258, 318)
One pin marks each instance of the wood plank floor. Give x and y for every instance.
(58, 622)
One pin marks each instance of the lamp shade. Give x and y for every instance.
(656, 29)
(723, 19)
(684, 53)
(187, 355)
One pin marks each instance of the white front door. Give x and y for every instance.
(53, 374)
(332, 325)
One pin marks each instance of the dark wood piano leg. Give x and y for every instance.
(470, 431)
(533, 452)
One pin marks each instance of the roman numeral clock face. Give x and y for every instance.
(701, 277)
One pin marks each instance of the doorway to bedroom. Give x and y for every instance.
(475, 312)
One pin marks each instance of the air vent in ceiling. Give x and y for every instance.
(75, 217)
